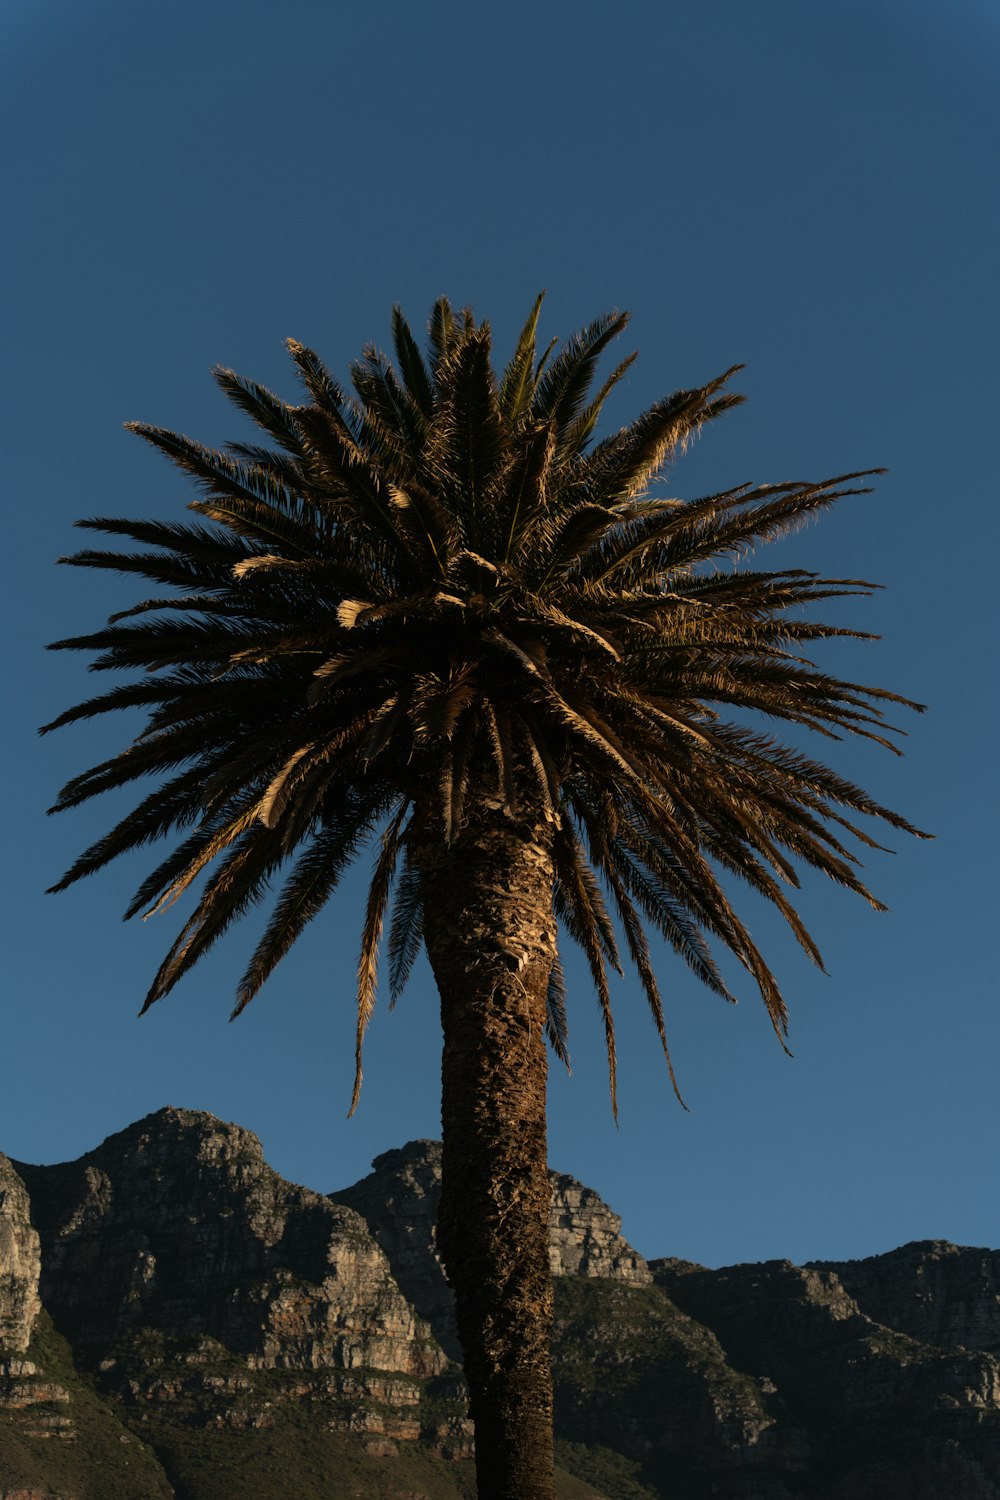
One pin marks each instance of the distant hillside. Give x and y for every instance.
(176, 1320)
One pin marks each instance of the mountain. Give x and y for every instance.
(176, 1320)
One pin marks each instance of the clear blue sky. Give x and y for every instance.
(810, 188)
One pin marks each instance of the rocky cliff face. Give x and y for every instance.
(399, 1203)
(874, 1412)
(937, 1293)
(20, 1263)
(177, 1320)
(29, 1396)
(178, 1225)
(201, 1291)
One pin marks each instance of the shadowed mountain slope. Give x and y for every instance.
(176, 1320)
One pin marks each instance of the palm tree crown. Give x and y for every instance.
(438, 591)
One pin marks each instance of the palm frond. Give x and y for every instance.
(639, 950)
(556, 1024)
(324, 390)
(406, 928)
(524, 490)
(562, 388)
(262, 406)
(465, 444)
(441, 331)
(239, 880)
(415, 373)
(578, 434)
(518, 384)
(378, 900)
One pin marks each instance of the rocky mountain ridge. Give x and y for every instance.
(176, 1320)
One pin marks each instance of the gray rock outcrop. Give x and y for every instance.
(586, 1236)
(399, 1202)
(177, 1225)
(879, 1413)
(936, 1292)
(28, 1396)
(20, 1264)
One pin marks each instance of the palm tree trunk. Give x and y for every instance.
(490, 935)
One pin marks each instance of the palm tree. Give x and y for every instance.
(433, 615)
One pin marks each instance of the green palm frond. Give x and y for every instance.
(406, 928)
(416, 377)
(578, 434)
(556, 1028)
(327, 395)
(263, 407)
(518, 383)
(440, 333)
(238, 881)
(563, 388)
(379, 892)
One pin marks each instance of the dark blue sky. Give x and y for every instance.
(809, 188)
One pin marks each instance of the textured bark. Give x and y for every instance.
(490, 935)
